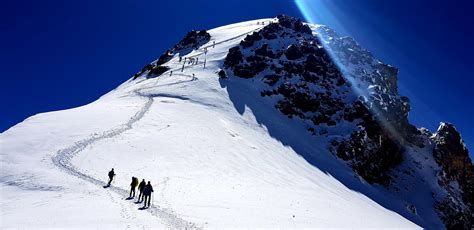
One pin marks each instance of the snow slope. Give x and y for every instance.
(211, 160)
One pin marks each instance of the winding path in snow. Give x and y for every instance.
(64, 156)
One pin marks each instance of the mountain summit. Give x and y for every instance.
(270, 123)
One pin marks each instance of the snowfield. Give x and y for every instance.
(217, 154)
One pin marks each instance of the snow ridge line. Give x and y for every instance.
(63, 158)
(202, 48)
(223, 41)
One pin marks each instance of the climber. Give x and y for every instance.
(141, 186)
(147, 194)
(111, 176)
(133, 185)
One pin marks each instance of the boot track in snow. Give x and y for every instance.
(64, 156)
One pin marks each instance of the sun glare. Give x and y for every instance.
(321, 12)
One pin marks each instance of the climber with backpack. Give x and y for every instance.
(147, 194)
(133, 185)
(111, 177)
(141, 186)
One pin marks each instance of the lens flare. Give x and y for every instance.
(316, 11)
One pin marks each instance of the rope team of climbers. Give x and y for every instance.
(144, 190)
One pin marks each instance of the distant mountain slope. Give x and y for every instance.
(271, 123)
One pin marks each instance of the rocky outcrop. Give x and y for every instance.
(191, 41)
(328, 81)
(145, 68)
(342, 94)
(157, 70)
(457, 177)
(451, 153)
(293, 23)
(222, 74)
(371, 150)
(300, 72)
(379, 80)
(151, 70)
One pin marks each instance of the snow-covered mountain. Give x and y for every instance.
(271, 123)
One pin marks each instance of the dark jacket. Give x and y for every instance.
(134, 182)
(141, 186)
(148, 190)
(111, 174)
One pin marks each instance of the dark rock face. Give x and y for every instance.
(262, 52)
(250, 40)
(330, 83)
(222, 74)
(234, 57)
(298, 71)
(293, 52)
(158, 70)
(293, 23)
(309, 86)
(151, 70)
(262, 49)
(384, 102)
(191, 41)
(371, 150)
(452, 155)
(145, 68)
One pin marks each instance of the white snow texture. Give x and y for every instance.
(211, 159)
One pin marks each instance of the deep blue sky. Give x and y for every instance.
(61, 54)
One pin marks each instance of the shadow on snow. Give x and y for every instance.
(245, 94)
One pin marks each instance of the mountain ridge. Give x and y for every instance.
(258, 144)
